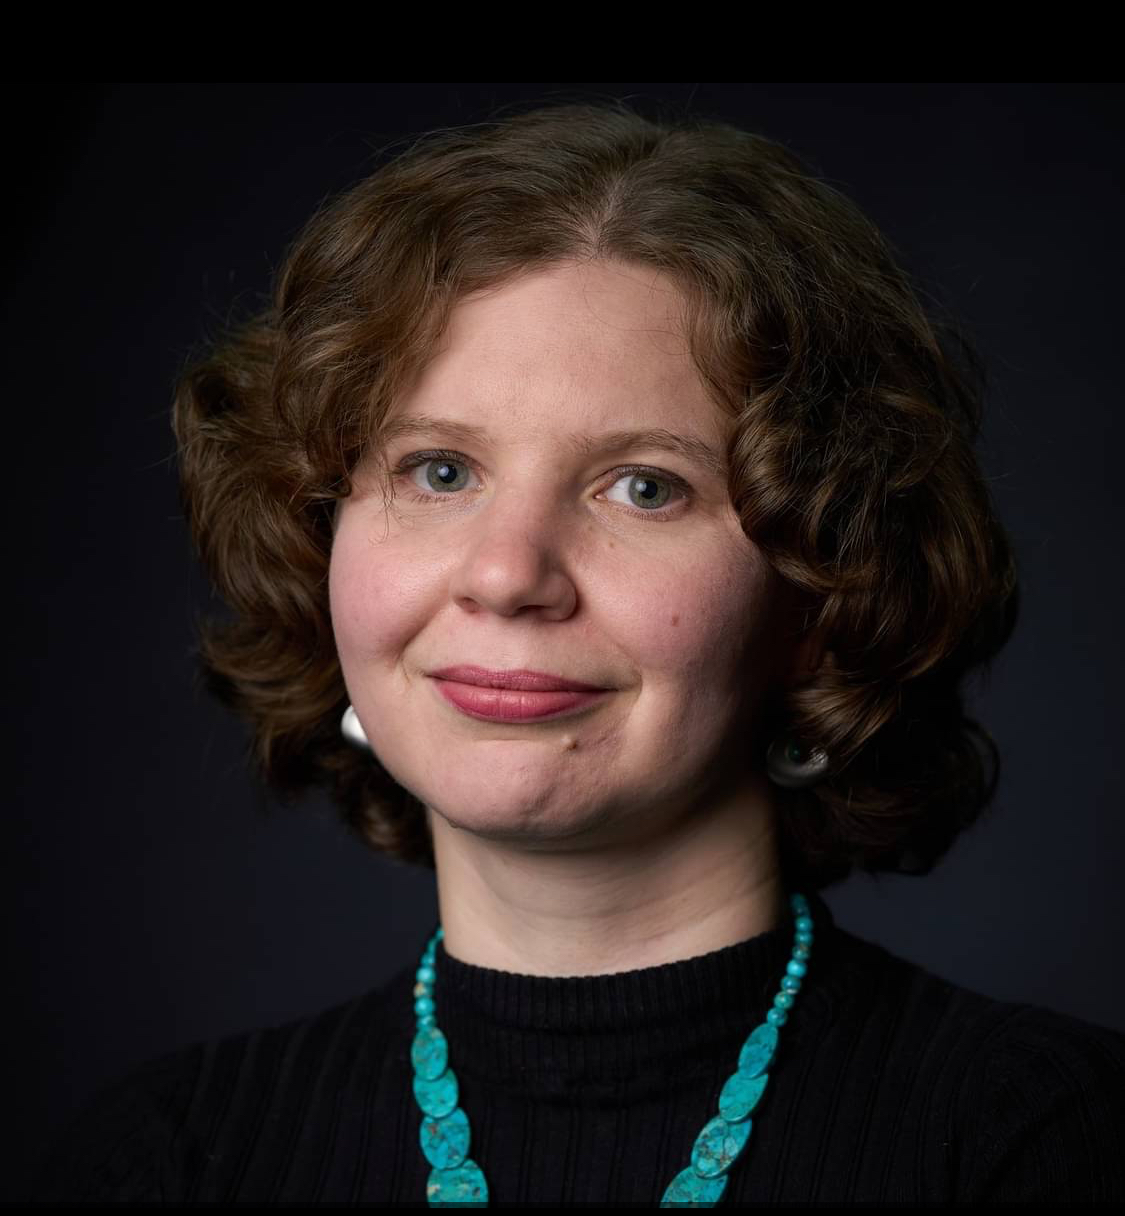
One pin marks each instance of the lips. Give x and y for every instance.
(511, 704)
(513, 695)
(521, 680)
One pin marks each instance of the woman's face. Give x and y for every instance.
(533, 545)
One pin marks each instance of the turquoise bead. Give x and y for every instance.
(783, 1000)
(425, 975)
(437, 1097)
(446, 1141)
(423, 1005)
(426, 1019)
(803, 922)
(429, 1053)
(757, 1051)
(717, 1146)
(777, 1017)
(688, 1189)
(796, 967)
(740, 1095)
(791, 983)
(463, 1185)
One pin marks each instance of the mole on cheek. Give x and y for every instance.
(569, 743)
(675, 619)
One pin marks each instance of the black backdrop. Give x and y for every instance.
(154, 896)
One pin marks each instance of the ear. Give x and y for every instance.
(804, 645)
(807, 656)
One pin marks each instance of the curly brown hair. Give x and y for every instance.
(851, 463)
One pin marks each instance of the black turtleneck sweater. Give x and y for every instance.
(890, 1085)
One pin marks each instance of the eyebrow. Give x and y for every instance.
(690, 448)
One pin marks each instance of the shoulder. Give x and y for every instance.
(148, 1135)
(1001, 1042)
(1048, 1110)
(1033, 1099)
(999, 1100)
(870, 981)
(114, 1148)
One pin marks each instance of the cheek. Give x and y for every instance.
(697, 619)
(373, 600)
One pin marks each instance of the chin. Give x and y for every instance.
(521, 823)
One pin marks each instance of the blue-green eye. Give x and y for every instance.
(646, 490)
(442, 471)
(443, 474)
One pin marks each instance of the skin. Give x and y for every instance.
(633, 833)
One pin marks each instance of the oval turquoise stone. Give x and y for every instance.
(437, 1097)
(688, 1189)
(464, 1184)
(429, 1053)
(718, 1145)
(757, 1051)
(740, 1095)
(445, 1141)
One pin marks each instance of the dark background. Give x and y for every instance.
(154, 896)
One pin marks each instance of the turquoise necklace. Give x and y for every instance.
(457, 1180)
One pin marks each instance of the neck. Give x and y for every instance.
(698, 883)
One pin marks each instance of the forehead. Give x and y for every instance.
(583, 347)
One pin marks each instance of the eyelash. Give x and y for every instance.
(663, 514)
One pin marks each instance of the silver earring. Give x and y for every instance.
(352, 729)
(793, 766)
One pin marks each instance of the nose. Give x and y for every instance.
(514, 559)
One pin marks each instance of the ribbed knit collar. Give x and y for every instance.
(620, 1036)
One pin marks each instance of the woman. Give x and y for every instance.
(599, 514)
